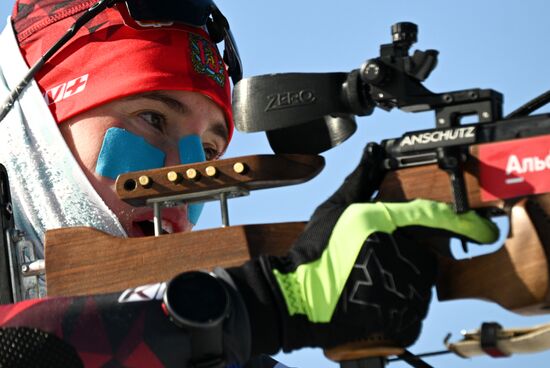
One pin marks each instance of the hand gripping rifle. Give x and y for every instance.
(498, 165)
(483, 166)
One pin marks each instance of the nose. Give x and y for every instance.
(189, 150)
(172, 157)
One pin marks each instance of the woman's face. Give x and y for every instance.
(162, 118)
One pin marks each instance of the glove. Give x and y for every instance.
(356, 273)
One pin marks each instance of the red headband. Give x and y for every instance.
(108, 60)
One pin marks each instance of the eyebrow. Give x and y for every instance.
(219, 128)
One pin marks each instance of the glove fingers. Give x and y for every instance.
(441, 218)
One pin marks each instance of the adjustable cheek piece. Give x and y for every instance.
(199, 303)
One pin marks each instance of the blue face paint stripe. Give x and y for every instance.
(191, 151)
(123, 152)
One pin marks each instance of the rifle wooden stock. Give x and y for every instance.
(516, 276)
(430, 182)
(83, 261)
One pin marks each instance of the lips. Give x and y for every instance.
(174, 220)
(147, 228)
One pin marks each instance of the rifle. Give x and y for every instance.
(498, 165)
(490, 165)
(448, 163)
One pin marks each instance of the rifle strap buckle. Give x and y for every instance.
(489, 339)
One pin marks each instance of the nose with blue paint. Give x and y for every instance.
(123, 151)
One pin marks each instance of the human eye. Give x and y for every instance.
(154, 119)
(211, 152)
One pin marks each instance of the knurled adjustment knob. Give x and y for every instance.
(404, 32)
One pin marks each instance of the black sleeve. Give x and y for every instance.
(120, 329)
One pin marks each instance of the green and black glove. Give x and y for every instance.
(357, 271)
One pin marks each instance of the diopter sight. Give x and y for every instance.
(395, 75)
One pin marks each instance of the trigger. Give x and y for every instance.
(464, 245)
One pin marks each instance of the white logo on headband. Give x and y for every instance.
(66, 90)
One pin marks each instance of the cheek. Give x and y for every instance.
(87, 148)
(85, 138)
(123, 152)
(91, 151)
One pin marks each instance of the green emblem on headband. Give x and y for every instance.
(206, 59)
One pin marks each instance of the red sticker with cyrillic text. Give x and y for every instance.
(514, 168)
